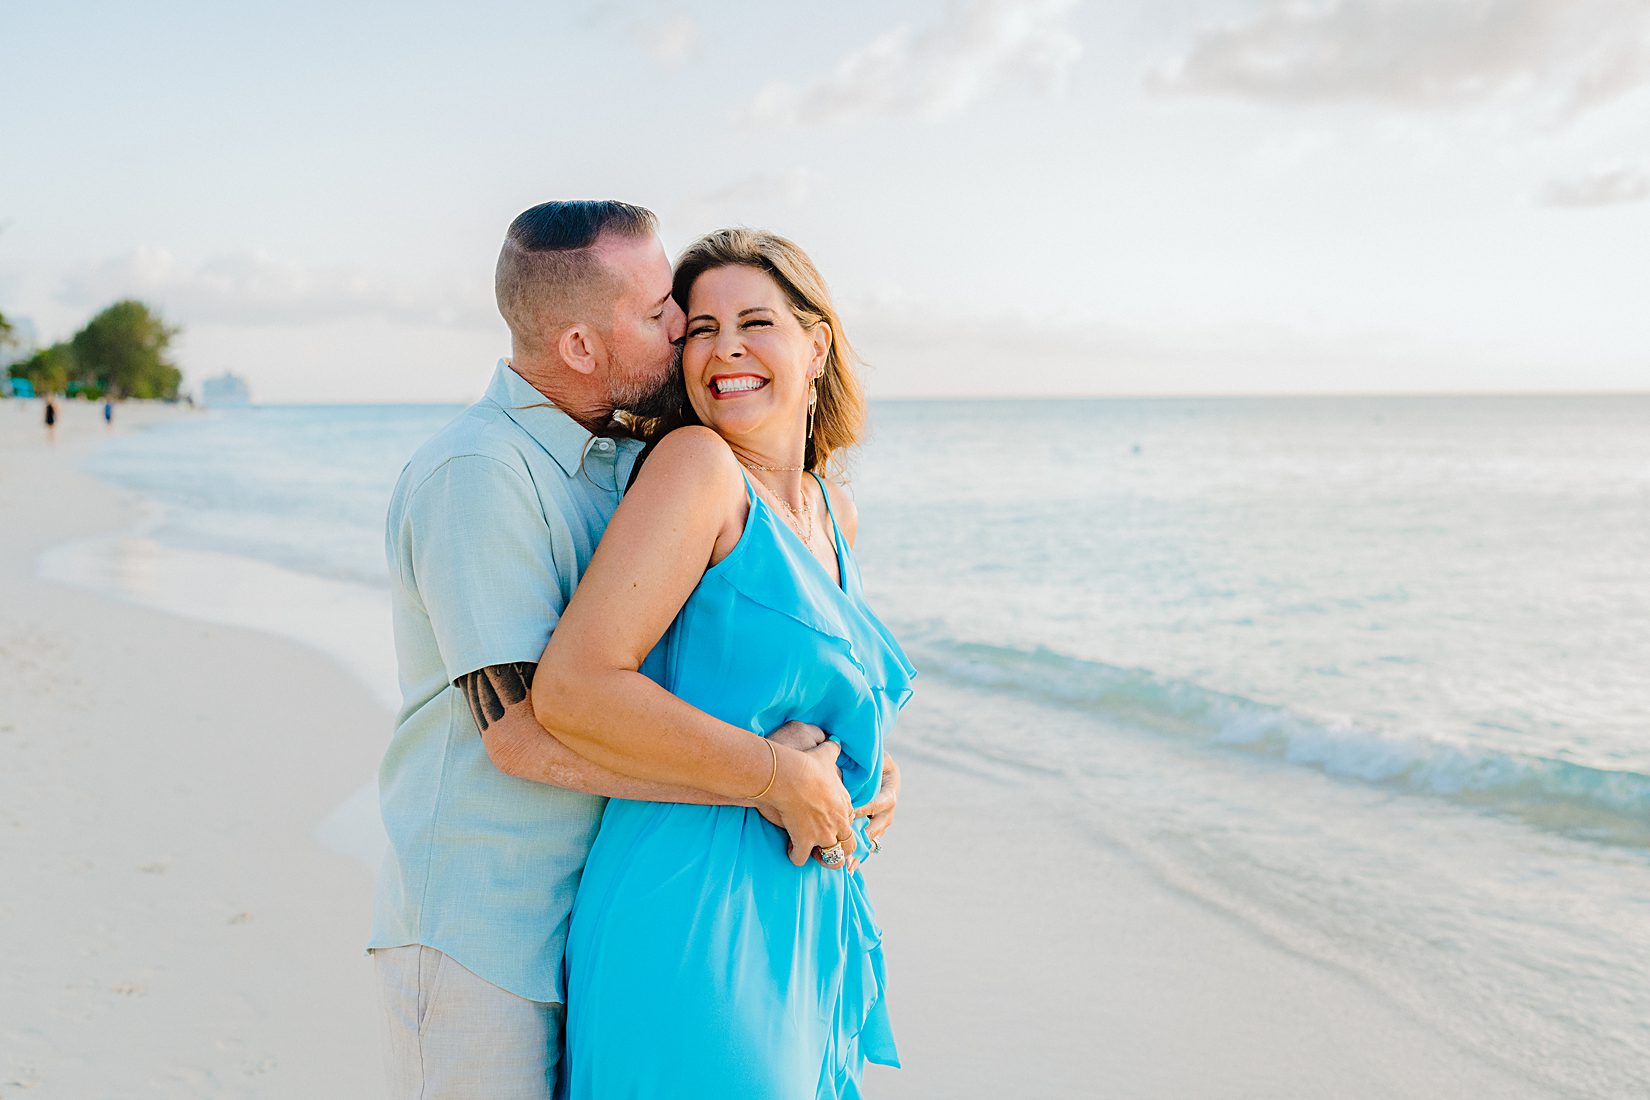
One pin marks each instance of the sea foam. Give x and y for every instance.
(1597, 803)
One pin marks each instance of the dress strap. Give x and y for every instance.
(750, 490)
(836, 532)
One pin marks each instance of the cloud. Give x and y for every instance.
(1614, 185)
(670, 40)
(1569, 56)
(254, 288)
(977, 48)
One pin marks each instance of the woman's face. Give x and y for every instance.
(747, 361)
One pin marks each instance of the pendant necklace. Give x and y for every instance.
(802, 523)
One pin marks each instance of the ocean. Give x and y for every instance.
(1369, 675)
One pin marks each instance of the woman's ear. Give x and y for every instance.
(821, 335)
(580, 348)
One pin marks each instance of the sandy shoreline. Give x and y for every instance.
(180, 931)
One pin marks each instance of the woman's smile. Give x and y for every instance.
(749, 362)
(726, 386)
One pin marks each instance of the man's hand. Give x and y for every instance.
(879, 812)
(798, 735)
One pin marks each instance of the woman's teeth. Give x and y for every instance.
(737, 385)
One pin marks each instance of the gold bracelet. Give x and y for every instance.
(774, 749)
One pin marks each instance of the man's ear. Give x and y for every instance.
(581, 348)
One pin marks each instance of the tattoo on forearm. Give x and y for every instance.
(490, 690)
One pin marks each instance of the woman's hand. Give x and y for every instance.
(809, 802)
(801, 736)
(879, 812)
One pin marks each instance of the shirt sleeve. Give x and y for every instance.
(481, 555)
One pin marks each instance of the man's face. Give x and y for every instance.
(643, 338)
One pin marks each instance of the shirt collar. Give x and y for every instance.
(562, 437)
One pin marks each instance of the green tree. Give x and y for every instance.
(122, 351)
(50, 369)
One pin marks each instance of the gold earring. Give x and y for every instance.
(813, 400)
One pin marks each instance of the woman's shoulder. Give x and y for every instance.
(691, 465)
(692, 450)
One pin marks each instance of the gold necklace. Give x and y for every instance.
(802, 524)
(773, 469)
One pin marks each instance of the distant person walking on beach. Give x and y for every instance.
(490, 528)
(108, 413)
(51, 418)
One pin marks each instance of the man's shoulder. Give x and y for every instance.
(481, 436)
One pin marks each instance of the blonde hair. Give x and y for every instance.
(839, 418)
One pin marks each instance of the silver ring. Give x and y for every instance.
(832, 856)
(874, 844)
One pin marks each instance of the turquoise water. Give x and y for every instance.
(1369, 674)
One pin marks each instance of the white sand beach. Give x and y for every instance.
(174, 928)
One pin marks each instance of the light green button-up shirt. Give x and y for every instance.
(490, 527)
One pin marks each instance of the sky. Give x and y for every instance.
(1012, 198)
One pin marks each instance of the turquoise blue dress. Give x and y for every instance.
(700, 962)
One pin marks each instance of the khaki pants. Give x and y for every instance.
(452, 1036)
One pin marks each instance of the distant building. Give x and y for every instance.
(225, 391)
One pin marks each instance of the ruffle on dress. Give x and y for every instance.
(839, 614)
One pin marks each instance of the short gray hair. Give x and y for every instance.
(548, 272)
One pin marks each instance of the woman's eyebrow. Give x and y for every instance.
(743, 312)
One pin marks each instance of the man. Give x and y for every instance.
(489, 528)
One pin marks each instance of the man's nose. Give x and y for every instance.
(678, 322)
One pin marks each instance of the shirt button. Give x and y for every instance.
(604, 444)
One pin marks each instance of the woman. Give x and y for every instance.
(702, 960)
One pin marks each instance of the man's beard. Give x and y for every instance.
(665, 399)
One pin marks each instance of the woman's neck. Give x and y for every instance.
(777, 467)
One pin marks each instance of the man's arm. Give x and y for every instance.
(489, 611)
(501, 703)
(500, 699)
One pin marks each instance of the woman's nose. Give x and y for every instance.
(729, 346)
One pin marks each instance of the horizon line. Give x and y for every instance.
(1230, 395)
